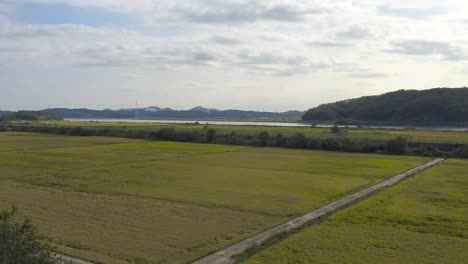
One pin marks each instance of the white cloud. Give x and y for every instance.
(271, 43)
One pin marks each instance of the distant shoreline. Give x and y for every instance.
(265, 122)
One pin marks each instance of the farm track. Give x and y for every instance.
(228, 254)
(71, 260)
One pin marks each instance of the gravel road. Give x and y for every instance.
(71, 260)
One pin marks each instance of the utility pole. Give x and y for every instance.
(136, 110)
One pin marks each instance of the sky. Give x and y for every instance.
(272, 55)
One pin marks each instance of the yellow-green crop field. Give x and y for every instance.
(413, 135)
(113, 200)
(422, 220)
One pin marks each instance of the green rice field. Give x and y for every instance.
(175, 202)
(422, 220)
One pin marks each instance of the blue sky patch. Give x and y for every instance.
(65, 14)
(412, 13)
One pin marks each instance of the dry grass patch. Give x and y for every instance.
(125, 229)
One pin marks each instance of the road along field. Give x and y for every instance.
(422, 220)
(128, 201)
(312, 132)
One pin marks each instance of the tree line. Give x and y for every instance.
(395, 146)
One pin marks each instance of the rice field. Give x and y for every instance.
(175, 202)
(422, 220)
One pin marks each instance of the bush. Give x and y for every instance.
(210, 134)
(397, 145)
(166, 133)
(350, 145)
(313, 144)
(331, 144)
(338, 130)
(429, 151)
(280, 140)
(186, 136)
(263, 138)
(462, 152)
(372, 146)
(233, 138)
(77, 131)
(20, 242)
(298, 141)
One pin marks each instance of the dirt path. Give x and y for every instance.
(227, 255)
(71, 260)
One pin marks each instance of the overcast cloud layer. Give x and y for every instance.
(262, 55)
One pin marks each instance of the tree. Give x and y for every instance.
(338, 130)
(397, 145)
(210, 134)
(298, 141)
(20, 242)
(263, 138)
(280, 140)
(167, 133)
(462, 152)
(233, 138)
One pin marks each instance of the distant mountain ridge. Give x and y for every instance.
(2, 113)
(154, 112)
(439, 106)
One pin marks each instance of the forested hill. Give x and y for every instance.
(29, 116)
(440, 106)
(2, 113)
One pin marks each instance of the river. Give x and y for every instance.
(256, 123)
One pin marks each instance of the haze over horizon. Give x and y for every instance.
(272, 55)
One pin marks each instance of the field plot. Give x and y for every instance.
(125, 229)
(29, 141)
(166, 202)
(422, 220)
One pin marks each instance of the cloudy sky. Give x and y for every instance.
(264, 55)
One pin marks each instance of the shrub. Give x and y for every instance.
(372, 146)
(263, 138)
(167, 133)
(331, 144)
(298, 141)
(280, 140)
(313, 144)
(233, 138)
(349, 145)
(186, 136)
(210, 134)
(338, 130)
(429, 151)
(76, 131)
(397, 145)
(20, 242)
(462, 152)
